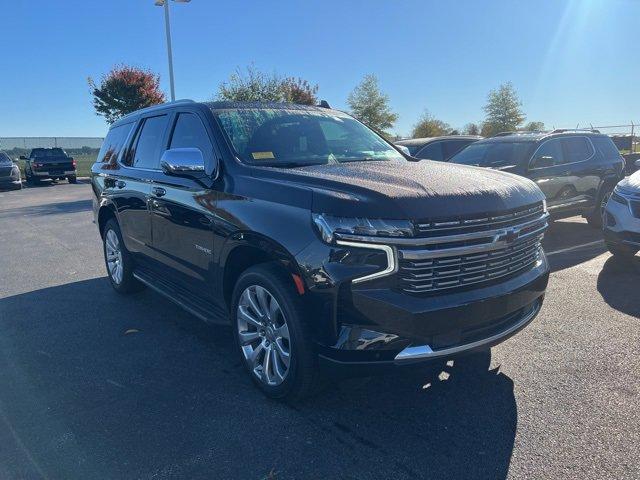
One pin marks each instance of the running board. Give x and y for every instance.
(199, 307)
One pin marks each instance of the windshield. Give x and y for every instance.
(4, 158)
(494, 154)
(48, 152)
(291, 137)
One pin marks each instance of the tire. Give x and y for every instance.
(72, 179)
(257, 334)
(621, 251)
(118, 260)
(596, 218)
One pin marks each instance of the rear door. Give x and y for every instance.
(181, 211)
(131, 186)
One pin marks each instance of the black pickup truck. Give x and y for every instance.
(311, 235)
(49, 163)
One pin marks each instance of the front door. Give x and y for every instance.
(182, 213)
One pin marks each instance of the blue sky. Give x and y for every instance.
(572, 61)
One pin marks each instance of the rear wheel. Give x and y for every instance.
(118, 260)
(273, 341)
(72, 179)
(622, 251)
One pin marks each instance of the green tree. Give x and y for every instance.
(429, 126)
(253, 85)
(534, 127)
(503, 109)
(124, 90)
(471, 129)
(369, 105)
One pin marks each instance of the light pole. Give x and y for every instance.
(167, 27)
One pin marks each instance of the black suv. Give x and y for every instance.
(49, 163)
(315, 238)
(437, 148)
(575, 169)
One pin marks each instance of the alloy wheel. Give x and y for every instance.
(264, 335)
(113, 253)
(603, 206)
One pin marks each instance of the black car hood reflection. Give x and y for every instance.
(410, 190)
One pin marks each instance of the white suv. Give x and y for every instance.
(621, 221)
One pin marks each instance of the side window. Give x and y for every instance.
(189, 132)
(433, 151)
(113, 143)
(452, 147)
(606, 147)
(576, 149)
(552, 150)
(148, 145)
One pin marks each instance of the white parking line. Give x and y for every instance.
(575, 247)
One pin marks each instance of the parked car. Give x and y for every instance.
(437, 148)
(576, 170)
(49, 163)
(9, 173)
(622, 218)
(315, 238)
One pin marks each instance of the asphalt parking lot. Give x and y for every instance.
(94, 385)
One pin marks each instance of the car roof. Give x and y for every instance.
(224, 105)
(532, 137)
(426, 140)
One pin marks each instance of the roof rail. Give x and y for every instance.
(564, 130)
(517, 132)
(160, 105)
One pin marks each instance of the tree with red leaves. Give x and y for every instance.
(124, 90)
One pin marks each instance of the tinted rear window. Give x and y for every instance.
(606, 147)
(113, 144)
(48, 152)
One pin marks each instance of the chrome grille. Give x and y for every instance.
(479, 223)
(462, 270)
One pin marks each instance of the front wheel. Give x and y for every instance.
(118, 260)
(272, 338)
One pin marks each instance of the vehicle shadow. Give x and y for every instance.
(618, 284)
(98, 385)
(47, 209)
(563, 235)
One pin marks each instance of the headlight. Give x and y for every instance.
(15, 172)
(616, 197)
(329, 225)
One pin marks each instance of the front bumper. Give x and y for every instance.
(387, 328)
(10, 182)
(620, 225)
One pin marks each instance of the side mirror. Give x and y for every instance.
(637, 163)
(541, 162)
(22, 157)
(183, 162)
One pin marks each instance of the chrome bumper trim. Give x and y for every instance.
(418, 353)
(392, 264)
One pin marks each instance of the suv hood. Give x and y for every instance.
(411, 190)
(631, 183)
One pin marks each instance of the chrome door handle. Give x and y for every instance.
(158, 191)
